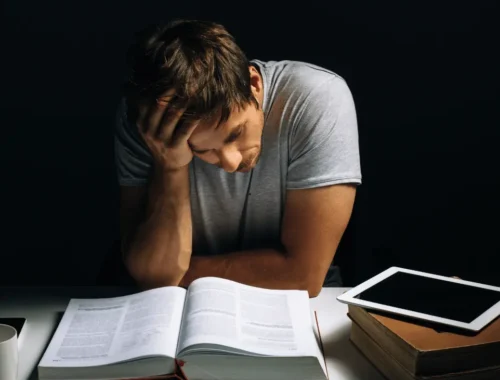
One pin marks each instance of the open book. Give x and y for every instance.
(218, 329)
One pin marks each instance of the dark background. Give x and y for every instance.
(424, 78)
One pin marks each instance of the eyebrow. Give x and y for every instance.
(227, 140)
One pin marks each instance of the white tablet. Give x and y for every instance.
(440, 299)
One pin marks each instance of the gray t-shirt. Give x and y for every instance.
(310, 139)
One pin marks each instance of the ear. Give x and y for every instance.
(256, 83)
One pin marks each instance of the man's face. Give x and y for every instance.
(234, 145)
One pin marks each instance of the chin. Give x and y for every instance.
(252, 163)
(246, 170)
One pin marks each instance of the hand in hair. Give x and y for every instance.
(166, 138)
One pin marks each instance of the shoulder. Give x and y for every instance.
(301, 89)
(300, 77)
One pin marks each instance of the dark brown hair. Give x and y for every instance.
(199, 59)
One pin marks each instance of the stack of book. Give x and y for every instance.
(402, 349)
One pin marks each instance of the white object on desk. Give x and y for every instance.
(42, 310)
(447, 300)
(8, 353)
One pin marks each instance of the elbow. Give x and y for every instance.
(314, 288)
(150, 273)
(306, 277)
(311, 282)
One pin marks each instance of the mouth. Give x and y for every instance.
(248, 166)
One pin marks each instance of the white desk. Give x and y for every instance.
(41, 307)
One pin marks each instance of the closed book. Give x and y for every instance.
(390, 368)
(424, 350)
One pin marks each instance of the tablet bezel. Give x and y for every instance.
(349, 297)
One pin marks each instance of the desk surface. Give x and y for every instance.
(42, 307)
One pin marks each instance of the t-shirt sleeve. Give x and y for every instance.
(323, 143)
(132, 158)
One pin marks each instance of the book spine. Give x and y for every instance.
(389, 341)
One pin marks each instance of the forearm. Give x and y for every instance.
(267, 268)
(159, 250)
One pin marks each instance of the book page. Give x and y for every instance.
(104, 331)
(260, 321)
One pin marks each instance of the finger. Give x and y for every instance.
(165, 98)
(168, 123)
(153, 118)
(155, 112)
(183, 133)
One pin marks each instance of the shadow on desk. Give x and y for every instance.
(342, 355)
(334, 346)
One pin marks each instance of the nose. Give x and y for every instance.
(230, 159)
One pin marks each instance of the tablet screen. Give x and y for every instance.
(432, 296)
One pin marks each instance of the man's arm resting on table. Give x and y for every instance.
(155, 224)
(314, 222)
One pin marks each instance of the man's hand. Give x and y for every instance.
(166, 139)
(156, 226)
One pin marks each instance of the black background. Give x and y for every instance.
(424, 79)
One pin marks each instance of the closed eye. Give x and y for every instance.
(234, 136)
(200, 151)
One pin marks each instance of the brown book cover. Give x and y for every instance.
(391, 369)
(424, 350)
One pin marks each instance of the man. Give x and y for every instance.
(245, 170)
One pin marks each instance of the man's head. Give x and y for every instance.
(197, 65)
